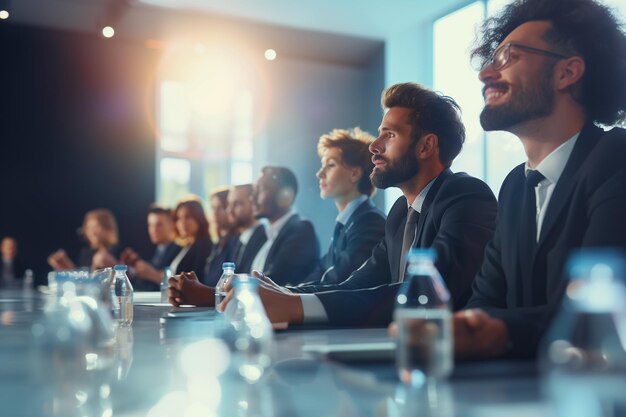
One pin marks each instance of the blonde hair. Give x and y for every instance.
(354, 146)
(106, 220)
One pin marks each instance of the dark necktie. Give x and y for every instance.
(407, 240)
(157, 259)
(528, 237)
(333, 245)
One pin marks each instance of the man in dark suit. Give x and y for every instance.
(251, 232)
(558, 69)
(148, 275)
(291, 249)
(420, 135)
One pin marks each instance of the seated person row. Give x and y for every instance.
(344, 176)
(551, 71)
(420, 135)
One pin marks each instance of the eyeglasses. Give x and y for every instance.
(501, 56)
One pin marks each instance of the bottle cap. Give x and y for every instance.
(120, 268)
(228, 265)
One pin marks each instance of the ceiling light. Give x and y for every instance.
(108, 32)
(270, 54)
(4, 14)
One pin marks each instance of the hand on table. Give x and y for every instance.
(186, 289)
(477, 335)
(59, 261)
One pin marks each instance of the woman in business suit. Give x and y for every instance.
(344, 177)
(192, 228)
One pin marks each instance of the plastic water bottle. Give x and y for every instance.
(29, 280)
(252, 337)
(423, 317)
(583, 357)
(228, 269)
(122, 296)
(167, 273)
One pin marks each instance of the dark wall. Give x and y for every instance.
(75, 134)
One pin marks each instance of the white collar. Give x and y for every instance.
(351, 207)
(421, 197)
(553, 165)
(273, 229)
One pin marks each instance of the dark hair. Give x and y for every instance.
(155, 208)
(432, 113)
(221, 193)
(285, 178)
(193, 204)
(579, 27)
(354, 146)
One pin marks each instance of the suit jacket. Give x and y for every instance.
(457, 220)
(293, 254)
(219, 255)
(245, 255)
(195, 258)
(586, 210)
(171, 250)
(353, 246)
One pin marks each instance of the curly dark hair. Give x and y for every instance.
(579, 27)
(432, 112)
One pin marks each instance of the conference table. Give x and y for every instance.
(157, 368)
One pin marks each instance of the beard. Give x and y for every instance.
(528, 103)
(396, 172)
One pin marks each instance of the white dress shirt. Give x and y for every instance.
(551, 168)
(272, 231)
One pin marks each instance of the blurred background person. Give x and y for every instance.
(251, 232)
(12, 268)
(192, 228)
(227, 237)
(100, 231)
(147, 275)
(344, 176)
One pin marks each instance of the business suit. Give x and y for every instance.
(293, 253)
(244, 255)
(353, 245)
(159, 262)
(457, 220)
(586, 210)
(224, 251)
(195, 258)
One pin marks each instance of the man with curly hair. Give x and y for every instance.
(552, 70)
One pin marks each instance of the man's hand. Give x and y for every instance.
(129, 257)
(267, 283)
(279, 306)
(186, 289)
(477, 335)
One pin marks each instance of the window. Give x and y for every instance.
(205, 124)
(489, 156)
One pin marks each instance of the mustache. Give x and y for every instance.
(498, 86)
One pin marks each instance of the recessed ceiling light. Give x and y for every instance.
(108, 32)
(270, 54)
(4, 14)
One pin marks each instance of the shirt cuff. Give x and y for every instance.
(313, 309)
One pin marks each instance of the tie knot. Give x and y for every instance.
(533, 178)
(411, 215)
